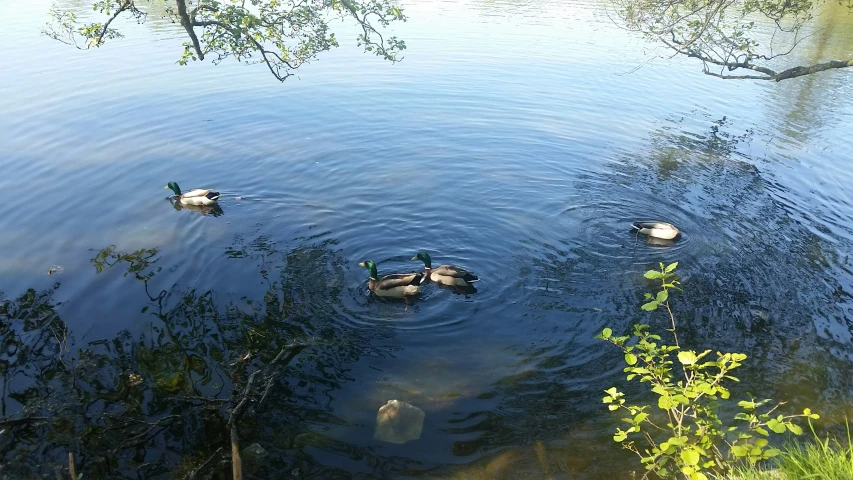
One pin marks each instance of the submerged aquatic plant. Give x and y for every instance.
(684, 437)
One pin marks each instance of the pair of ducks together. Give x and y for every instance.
(402, 285)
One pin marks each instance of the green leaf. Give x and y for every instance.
(739, 451)
(671, 267)
(630, 359)
(677, 441)
(776, 426)
(795, 429)
(653, 274)
(662, 296)
(640, 417)
(606, 333)
(771, 452)
(687, 357)
(620, 436)
(690, 457)
(664, 402)
(653, 305)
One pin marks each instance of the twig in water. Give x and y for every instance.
(205, 464)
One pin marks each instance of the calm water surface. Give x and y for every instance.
(512, 140)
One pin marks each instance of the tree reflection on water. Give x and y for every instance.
(157, 403)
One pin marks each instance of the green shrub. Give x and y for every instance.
(684, 437)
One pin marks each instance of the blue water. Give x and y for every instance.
(514, 139)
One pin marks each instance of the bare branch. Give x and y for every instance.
(204, 465)
(819, 67)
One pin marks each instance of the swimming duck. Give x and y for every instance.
(448, 275)
(394, 285)
(662, 230)
(194, 197)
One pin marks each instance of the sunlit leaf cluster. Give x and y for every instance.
(283, 34)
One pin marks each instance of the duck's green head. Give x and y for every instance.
(370, 266)
(424, 257)
(175, 188)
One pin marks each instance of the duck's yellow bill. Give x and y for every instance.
(166, 187)
(361, 264)
(414, 258)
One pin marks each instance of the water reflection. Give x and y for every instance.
(154, 398)
(124, 405)
(525, 159)
(214, 210)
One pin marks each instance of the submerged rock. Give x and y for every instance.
(398, 422)
(255, 450)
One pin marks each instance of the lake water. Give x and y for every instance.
(514, 139)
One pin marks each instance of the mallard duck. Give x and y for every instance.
(194, 197)
(394, 285)
(662, 230)
(448, 275)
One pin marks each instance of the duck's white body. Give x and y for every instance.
(662, 230)
(199, 196)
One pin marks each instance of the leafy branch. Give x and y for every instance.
(728, 35)
(283, 34)
(685, 437)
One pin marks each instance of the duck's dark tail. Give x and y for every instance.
(212, 195)
(471, 278)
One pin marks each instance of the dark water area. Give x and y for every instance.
(513, 140)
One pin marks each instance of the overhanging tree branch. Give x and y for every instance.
(727, 33)
(284, 34)
(187, 23)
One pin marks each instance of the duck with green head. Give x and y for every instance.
(398, 285)
(447, 275)
(196, 196)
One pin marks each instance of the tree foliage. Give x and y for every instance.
(283, 34)
(730, 35)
